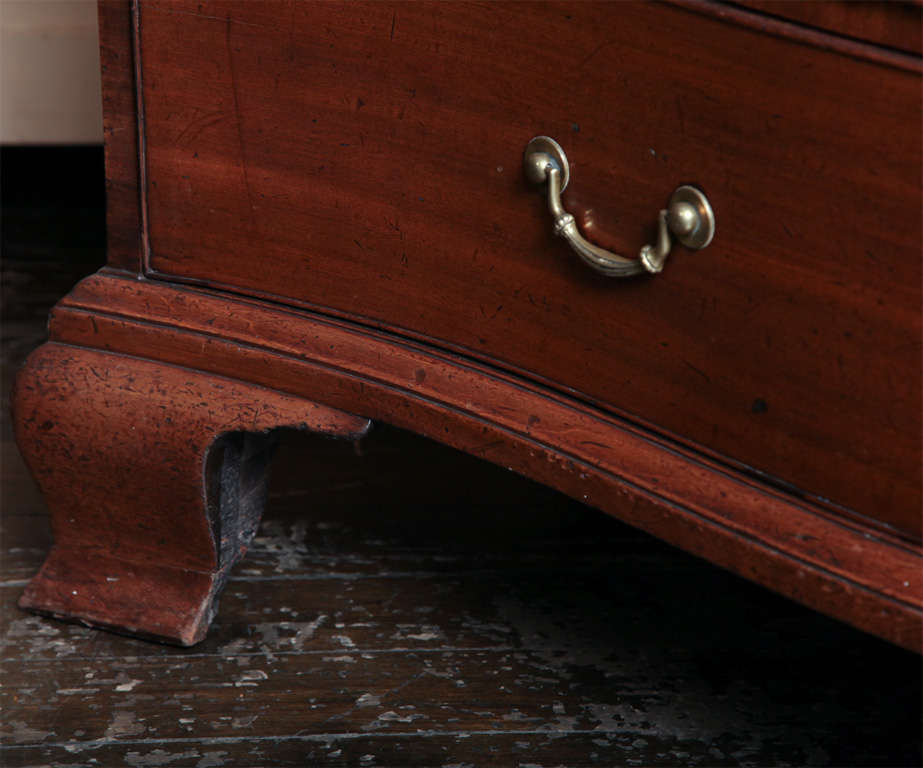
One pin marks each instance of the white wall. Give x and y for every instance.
(49, 72)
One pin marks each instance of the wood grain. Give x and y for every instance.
(364, 161)
(124, 211)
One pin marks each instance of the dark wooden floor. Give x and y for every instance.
(407, 605)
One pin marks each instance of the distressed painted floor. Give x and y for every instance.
(411, 606)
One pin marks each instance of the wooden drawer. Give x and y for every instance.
(365, 161)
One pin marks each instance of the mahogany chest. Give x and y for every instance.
(325, 214)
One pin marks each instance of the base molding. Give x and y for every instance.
(274, 363)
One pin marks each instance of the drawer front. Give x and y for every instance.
(365, 160)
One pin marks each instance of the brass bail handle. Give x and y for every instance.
(688, 217)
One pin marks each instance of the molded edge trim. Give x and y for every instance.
(799, 33)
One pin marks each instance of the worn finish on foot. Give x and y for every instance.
(156, 480)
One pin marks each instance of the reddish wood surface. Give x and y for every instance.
(120, 129)
(154, 484)
(896, 24)
(364, 160)
(872, 581)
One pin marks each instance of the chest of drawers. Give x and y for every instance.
(319, 217)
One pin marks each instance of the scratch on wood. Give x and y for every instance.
(240, 138)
